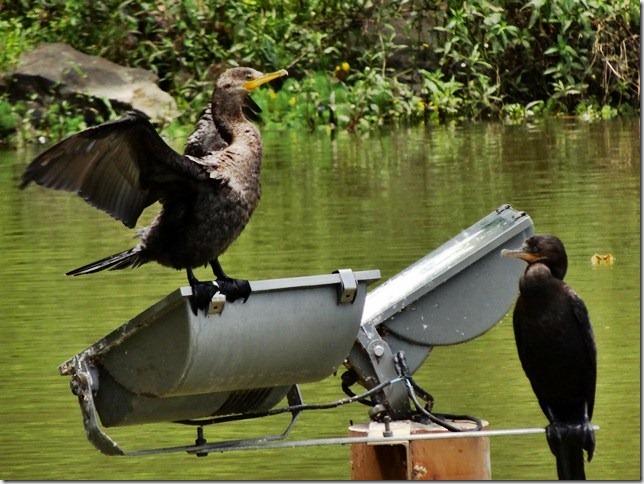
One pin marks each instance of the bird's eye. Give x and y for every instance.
(249, 77)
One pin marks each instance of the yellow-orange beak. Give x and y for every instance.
(255, 83)
(529, 257)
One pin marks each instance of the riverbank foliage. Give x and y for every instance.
(356, 64)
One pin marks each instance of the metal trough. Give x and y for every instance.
(168, 364)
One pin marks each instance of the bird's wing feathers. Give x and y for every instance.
(115, 167)
(206, 137)
(586, 333)
(532, 366)
(215, 164)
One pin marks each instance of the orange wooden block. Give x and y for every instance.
(431, 459)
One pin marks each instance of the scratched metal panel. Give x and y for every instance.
(289, 331)
(456, 292)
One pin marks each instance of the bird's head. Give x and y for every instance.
(242, 80)
(230, 96)
(543, 249)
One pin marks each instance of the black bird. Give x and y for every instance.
(557, 351)
(207, 194)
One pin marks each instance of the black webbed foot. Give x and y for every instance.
(567, 441)
(234, 289)
(202, 293)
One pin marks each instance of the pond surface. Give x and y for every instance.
(381, 202)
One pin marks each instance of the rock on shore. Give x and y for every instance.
(56, 71)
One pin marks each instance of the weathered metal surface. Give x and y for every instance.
(241, 359)
(117, 406)
(458, 291)
(290, 330)
(168, 364)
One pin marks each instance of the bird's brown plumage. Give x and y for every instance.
(207, 194)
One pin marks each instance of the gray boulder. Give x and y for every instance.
(56, 71)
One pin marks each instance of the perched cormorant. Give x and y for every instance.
(557, 351)
(207, 194)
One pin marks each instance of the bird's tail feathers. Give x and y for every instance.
(568, 442)
(127, 258)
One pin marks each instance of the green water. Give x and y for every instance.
(381, 202)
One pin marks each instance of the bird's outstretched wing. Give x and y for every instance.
(117, 167)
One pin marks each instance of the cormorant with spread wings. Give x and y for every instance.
(207, 194)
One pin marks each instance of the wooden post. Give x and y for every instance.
(423, 459)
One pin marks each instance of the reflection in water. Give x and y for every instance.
(381, 202)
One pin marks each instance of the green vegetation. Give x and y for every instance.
(355, 64)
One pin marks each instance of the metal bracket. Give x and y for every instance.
(372, 359)
(84, 384)
(348, 286)
(203, 448)
(217, 304)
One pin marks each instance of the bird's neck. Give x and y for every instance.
(538, 280)
(244, 141)
(232, 124)
(227, 112)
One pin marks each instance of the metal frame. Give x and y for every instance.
(84, 384)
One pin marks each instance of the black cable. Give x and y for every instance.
(349, 378)
(425, 395)
(413, 387)
(292, 408)
(439, 419)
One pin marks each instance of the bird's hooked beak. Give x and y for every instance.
(521, 253)
(255, 83)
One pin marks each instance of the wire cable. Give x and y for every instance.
(414, 391)
(294, 408)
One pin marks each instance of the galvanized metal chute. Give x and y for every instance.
(241, 360)
(167, 364)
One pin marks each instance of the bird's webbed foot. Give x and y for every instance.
(233, 289)
(589, 439)
(579, 435)
(202, 293)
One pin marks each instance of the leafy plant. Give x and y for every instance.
(407, 62)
